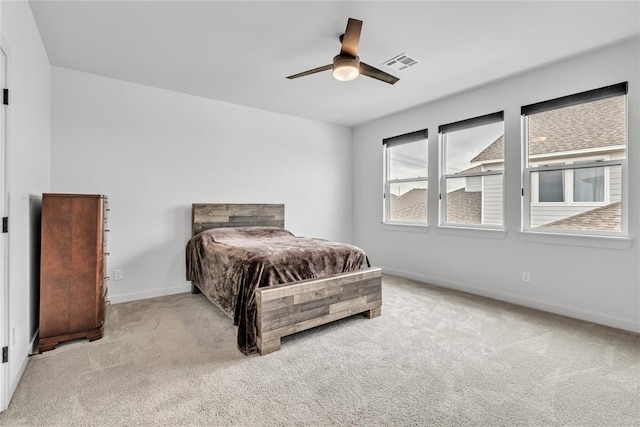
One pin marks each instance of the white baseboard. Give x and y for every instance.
(588, 316)
(153, 293)
(23, 365)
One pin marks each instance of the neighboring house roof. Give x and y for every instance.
(477, 168)
(494, 151)
(415, 213)
(579, 127)
(411, 206)
(464, 207)
(591, 125)
(410, 198)
(605, 218)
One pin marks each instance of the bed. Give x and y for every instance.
(240, 258)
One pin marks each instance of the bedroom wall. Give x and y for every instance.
(582, 278)
(29, 151)
(153, 152)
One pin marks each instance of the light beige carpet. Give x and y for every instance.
(435, 357)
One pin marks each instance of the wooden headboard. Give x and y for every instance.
(215, 215)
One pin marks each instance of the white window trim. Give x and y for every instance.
(592, 238)
(386, 212)
(584, 240)
(410, 227)
(387, 199)
(442, 213)
(573, 153)
(587, 162)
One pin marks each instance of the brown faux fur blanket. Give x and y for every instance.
(228, 264)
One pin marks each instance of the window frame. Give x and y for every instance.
(443, 130)
(569, 180)
(595, 160)
(388, 143)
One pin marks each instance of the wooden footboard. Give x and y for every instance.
(293, 307)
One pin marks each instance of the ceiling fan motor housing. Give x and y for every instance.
(346, 67)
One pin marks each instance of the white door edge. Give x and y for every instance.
(4, 240)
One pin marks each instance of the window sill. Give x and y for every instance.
(604, 242)
(410, 228)
(487, 233)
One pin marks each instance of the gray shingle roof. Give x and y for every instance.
(605, 218)
(477, 168)
(464, 207)
(592, 125)
(494, 151)
(411, 206)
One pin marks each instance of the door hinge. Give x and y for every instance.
(5, 96)
(5, 354)
(5, 224)
(439, 196)
(523, 191)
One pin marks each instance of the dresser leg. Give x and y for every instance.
(95, 336)
(49, 343)
(46, 347)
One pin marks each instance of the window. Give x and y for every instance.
(571, 186)
(472, 158)
(575, 160)
(588, 185)
(406, 173)
(551, 186)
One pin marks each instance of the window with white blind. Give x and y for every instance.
(471, 180)
(406, 178)
(575, 163)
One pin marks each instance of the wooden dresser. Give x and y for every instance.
(73, 279)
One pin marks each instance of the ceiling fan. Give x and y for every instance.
(347, 65)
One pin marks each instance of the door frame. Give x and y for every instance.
(4, 238)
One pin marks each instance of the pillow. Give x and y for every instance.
(227, 233)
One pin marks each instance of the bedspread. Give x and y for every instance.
(228, 264)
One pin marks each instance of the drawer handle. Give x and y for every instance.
(106, 253)
(108, 210)
(106, 278)
(107, 231)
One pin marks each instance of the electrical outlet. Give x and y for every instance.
(525, 277)
(117, 275)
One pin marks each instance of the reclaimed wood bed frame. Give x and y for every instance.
(293, 307)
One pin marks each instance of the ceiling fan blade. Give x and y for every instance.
(351, 38)
(309, 72)
(369, 71)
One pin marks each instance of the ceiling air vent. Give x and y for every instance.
(401, 62)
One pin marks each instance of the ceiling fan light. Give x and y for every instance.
(346, 68)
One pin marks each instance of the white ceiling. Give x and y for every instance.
(240, 52)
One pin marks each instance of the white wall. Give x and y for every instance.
(153, 152)
(593, 283)
(29, 153)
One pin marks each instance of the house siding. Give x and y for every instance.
(615, 179)
(544, 214)
(492, 200)
(473, 184)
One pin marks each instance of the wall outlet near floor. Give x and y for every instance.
(525, 277)
(117, 275)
